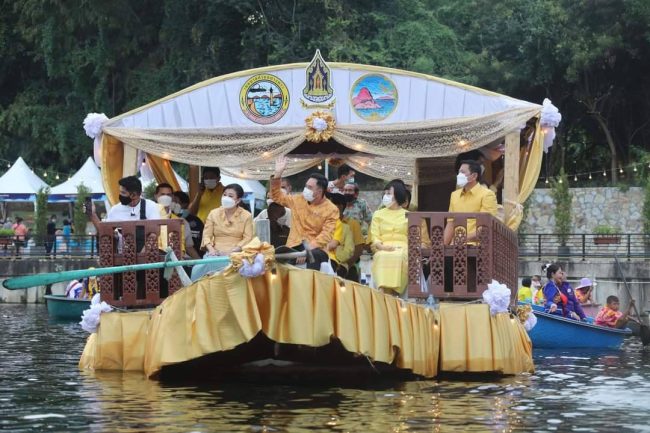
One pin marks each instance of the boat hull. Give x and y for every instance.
(60, 307)
(552, 332)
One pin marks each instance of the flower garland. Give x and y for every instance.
(497, 296)
(526, 316)
(320, 126)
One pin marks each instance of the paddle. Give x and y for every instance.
(644, 331)
(56, 277)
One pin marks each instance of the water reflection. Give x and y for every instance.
(41, 389)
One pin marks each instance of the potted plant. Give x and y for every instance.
(6, 237)
(562, 211)
(605, 235)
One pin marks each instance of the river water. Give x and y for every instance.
(41, 390)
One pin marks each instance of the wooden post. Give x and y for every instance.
(193, 181)
(511, 174)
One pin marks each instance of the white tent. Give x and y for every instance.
(89, 175)
(19, 183)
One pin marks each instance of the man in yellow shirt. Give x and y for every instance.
(209, 196)
(471, 197)
(313, 216)
(347, 243)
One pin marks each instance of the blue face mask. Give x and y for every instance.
(184, 213)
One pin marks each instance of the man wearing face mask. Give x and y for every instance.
(180, 204)
(357, 208)
(131, 206)
(164, 197)
(313, 216)
(284, 220)
(471, 197)
(210, 193)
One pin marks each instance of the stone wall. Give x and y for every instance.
(591, 207)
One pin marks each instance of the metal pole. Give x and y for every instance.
(327, 170)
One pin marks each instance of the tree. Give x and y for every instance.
(41, 215)
(79, 217)
(562, 206)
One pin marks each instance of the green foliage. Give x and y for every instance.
(646, 207)
(41, 215)
(4, 233)
(605, 230)
(79, 218)
(562, 206)
(149, 190)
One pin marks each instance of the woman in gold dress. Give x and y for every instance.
(389, 241)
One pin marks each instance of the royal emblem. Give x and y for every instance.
(373, 97)
(318, 82)
(264, 99)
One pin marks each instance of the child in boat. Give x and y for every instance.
(610, 315)
(525, 294)
(538, 290)
(584, 290)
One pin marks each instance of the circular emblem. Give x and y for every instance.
(373, 97)
(264, 99)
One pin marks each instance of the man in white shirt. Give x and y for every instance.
(345, 174)
(132, 205)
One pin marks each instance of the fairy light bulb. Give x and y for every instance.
(575, 178)
(45, 174)
(621, 170)
(604, 173)
(559, 181)
(57, 177)
(590, 176)
(635, 170)
(546, 181)
(320, 167)
(9, 165)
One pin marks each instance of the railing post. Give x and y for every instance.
(629, 246)
(539, 247)
(584, 246)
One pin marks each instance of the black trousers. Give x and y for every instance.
(319, 255)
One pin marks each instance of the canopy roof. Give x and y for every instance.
(19, 183)
(89, 175)
(387, 117)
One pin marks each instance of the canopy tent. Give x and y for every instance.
(381, 121)
(19, 183)
(88, 175)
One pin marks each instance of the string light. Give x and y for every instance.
(621, 170)
(320, 167)
(559, 181)
(590, 176)
(635, 169)
(45, 174)
(604, 173)
(575, 178)
(546, 181)
(57, 177)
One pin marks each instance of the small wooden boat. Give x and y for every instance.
(60, 307)
(553, 332)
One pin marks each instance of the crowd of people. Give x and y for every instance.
(559, 298)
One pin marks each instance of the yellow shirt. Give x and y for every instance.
(389, 226)
(211, 199)
(314, 223)
(477, 199)
(226, 234)
(525, 294)
(355, 228)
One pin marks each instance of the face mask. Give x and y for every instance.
(350, 180)
(268, 202)
(349, 198)
(210, 183)
(461, 180)
(536, 284)
(184, 213)
(228, 202)
(164, 200)
(387, 200)
(308, 194)
(175, 208)
(125, 199)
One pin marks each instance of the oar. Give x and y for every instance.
(56, 277)
(644, 331)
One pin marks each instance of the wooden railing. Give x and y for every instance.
(138, 243)
(463, 269)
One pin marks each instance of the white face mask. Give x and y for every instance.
(210, 183)
(461, 180)
(228, 202)
(176, 208)
(308, 194)
(350, 180)
(537, 284)
(387, 200)
(268, 201)
(164, 200)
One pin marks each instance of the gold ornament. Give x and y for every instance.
(320, 126)
(523, 311)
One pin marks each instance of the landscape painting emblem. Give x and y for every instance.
(264, 99)
(373, 97)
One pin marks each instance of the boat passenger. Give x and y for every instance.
(584, 291)
(610, 315)
(525, 293)
(560, 299)
(357, 208)
(284, 220)
(227, 229)
(313, 216)
(180, 208)
(390, 241)
(210, 192)
(538, 290)
(346, 248)
(132, 205)
(74, 290)
(279, 231)
(164, 198)
(344, 174)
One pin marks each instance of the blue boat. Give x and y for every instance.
(60, 307)
(552, 332)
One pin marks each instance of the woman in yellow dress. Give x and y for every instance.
(389, 228)
(227, 229)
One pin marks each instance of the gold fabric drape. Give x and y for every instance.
(308, 308)
(533, 165)
(112, 161)
(163, 171)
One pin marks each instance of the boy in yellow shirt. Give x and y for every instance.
(525, 294)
